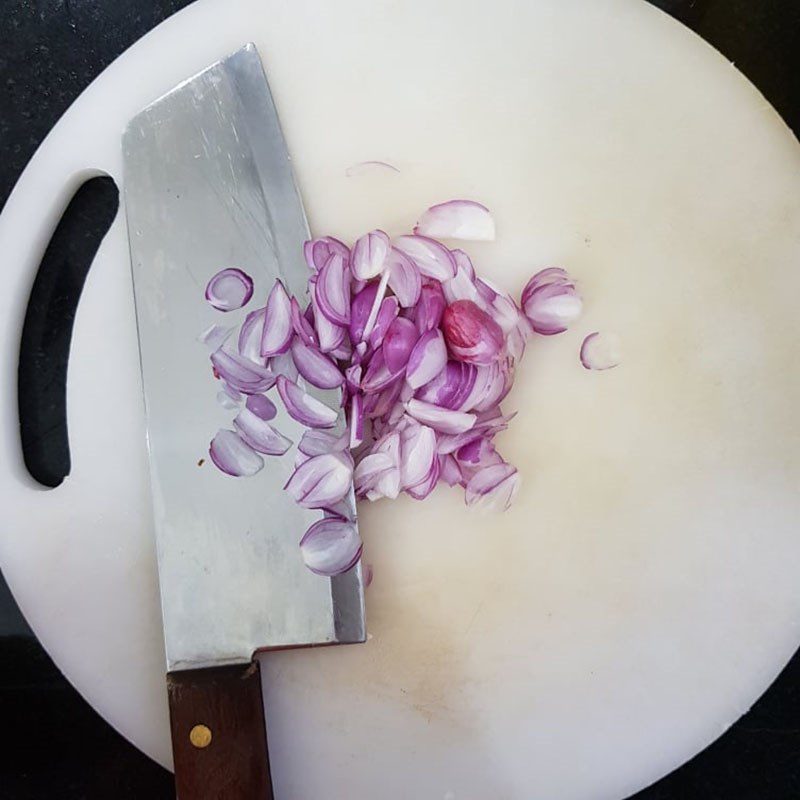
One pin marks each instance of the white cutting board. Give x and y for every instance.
(643, 592)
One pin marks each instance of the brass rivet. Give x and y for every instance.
(200, 736)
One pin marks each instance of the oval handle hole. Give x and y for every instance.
(47, 330)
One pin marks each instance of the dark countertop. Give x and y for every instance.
(56, 745)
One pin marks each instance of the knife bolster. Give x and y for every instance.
(219, 739)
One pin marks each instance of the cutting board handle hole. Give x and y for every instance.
(47, 330)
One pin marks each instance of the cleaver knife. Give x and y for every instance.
(208, 184)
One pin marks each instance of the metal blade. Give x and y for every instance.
(208, 184)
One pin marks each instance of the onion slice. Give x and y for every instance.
(250, 335)
(601, 351)
(316, 442)
(304, 408)
(418, 457)
(427, 360)
(277, 322)
(322, 480)
(242, 374)
(493, 488)
(316, 367)
(432, 258)
(332, 290)
(331, 547)
(318, 251)
(404, 278)
(233, 455)
(229, 289)
(444, 420)
(369, 255)
(457, 219)
(261, 406)
(259, 434)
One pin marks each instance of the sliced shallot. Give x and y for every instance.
(277, 332)
(322, 480)
(601, 351)
(432, 258)
(304, 408)
(457, 219)
(444, 420)
(242, 374)
(233, 455)
(316, 367)
(493, 488)
(331, 547)
(229, 289)
(259, 434)
(369, 255)
(427, 360)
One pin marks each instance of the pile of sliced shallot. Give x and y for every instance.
(422, 352)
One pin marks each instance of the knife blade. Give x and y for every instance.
(208, 184)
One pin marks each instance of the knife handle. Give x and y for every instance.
(219, 739)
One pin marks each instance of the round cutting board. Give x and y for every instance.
(642, 593)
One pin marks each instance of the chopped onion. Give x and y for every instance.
(444, 420)
(284, 365)
(261, 406)
(449, 471)
(432, 258)
(378, 375)
(321, 480)
(399, 341)
(461, 287)
(422, 350)
(229, 289)
(360, 311)
(370, 470)
(302, 327)
(431, 305)
(233, 455)
(242, 374)
(304, 408)
(356, 420)
(383, 319)
(457, 219)
(318, 251)
(332, 290)
(601, 351)
(329, 334)
(404, 278)
(493, 488)
(215, 336)
(317, 368)
(315, 442)
(331, 547)
(250, 335)
(471, 334)
(259, 434)
(551, 302)
(452, 387)
(427, 360)
(377, 304)
(418, 457)
(277, 322)
(424, 488)
(369, 255)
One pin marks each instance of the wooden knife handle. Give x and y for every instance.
(219, 739)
